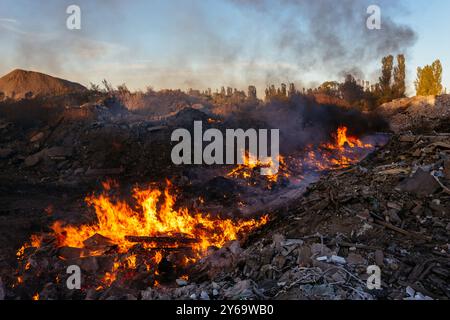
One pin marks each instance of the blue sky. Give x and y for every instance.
(209, 43)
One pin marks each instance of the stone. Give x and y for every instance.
(241, 290)
(215, 292)
(204, 295)
(420, 184)
(279, 261)
(354, 259)
(318, 249)
(447, 169)
(379, 258)
(304, 256)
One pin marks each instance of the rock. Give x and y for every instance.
(5, 153)
(241, 290)
(420, 184)
(338, 259)
(355, 259)
(193, 296)
(410, 291)
(278, 240)
(235, 248)
(97, 242)
(279, 261)
(2, 291)
(447, 169)
(181, 282)
(204, 295)
(318, 249)
(38, 136)
(379, 258)
(304, 256)
(215, 292)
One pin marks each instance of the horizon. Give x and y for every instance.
(201, 45)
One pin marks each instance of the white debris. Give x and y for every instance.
(204, 295)
(323, 258)
(338, 259)
(410, 292)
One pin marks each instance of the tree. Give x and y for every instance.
(386, 74)
(429, 80)
(399, 87)
(351, 91)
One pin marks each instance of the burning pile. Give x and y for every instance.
(345, 151)
(250, 170)
(143, 240)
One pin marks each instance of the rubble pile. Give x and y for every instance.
(418, 113)
(391, 211)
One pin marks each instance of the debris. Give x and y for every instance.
(422, 183)
(181, 282)
(338, 260)
(97, 242)
(204, 295)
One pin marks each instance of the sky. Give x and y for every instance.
(213, 43)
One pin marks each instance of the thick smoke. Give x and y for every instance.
(330, 34)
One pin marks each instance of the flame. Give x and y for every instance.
(344, 151)
(152, 215)
(251, 162)
(36, 296)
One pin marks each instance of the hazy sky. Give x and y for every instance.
(209, 43)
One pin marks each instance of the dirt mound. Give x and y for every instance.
(417, 113)
(20, 84)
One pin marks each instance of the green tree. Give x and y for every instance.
(429, 80)
(386, 73)
(399, 86)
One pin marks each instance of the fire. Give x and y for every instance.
(151, 216)
(344, 151)
(251, 162)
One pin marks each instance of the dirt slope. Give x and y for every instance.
(20, 83)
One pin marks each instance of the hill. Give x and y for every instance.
(20, 84)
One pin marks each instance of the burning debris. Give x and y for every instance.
(124, 238)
